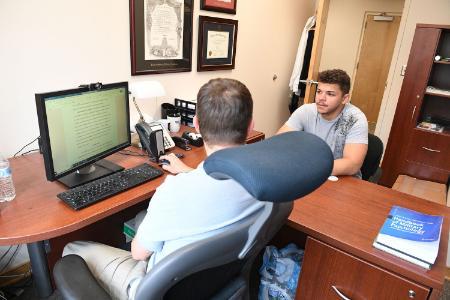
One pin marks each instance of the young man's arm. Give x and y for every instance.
(285, 128)
(296, 120)
(351, 161)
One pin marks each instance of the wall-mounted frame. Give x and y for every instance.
(160, 36)
(216, 43)
(225, 6)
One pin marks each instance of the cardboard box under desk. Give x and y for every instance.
(431, 191)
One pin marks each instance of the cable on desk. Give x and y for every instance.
(134, 153)
(131, 153)
(29, 151)
(25, 147)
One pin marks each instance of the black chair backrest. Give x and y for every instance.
(373, 157)
(279, 169)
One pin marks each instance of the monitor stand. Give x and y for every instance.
(97, 170)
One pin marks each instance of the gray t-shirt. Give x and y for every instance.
(349, 127)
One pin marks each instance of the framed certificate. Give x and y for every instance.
(225, 6)
(161, 36)
(216, 43)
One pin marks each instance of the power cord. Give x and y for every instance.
(2, 296)
(134, 153)
(27, 146)
(131, 153)
(11, 259)
(15, 290)
(29, 151)
(6, 253)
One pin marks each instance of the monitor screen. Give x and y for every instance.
(79, 127)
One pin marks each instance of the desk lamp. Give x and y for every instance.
(145, 90)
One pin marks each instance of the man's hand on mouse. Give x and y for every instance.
(176, 165)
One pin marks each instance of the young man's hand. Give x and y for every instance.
(176, 165)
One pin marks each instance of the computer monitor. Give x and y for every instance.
(79, 128)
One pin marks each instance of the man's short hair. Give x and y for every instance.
(224, 111)
(336, 76)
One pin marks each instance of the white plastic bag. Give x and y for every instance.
(279, 273)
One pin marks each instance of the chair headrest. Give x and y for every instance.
(282, 168)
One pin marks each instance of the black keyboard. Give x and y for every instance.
(99, 189)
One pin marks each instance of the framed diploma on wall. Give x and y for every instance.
(225, 6)
(160, 36)
(216, 43)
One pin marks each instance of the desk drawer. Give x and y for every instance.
(429, 148)
(324, 267)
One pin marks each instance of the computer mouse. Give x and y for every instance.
(163, 162)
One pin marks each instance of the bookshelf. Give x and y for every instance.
(419, 142)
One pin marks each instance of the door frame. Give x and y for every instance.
(316, 52)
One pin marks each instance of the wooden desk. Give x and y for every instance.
(342, 217)
(341, 220)
(37, 214)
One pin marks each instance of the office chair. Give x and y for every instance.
(370, 168)
(276, 171)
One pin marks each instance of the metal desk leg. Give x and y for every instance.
(39, 266)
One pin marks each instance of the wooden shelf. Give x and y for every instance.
(442, 62)
(438, 95)
(445, 132)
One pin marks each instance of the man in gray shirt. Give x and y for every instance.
(332, 118)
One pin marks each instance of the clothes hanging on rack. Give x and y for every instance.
(304, 74)
(298, 66)
(303, 57)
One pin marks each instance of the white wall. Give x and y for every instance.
(344, 30)
(415, 11)
(49, 45)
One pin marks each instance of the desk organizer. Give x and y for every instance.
(187, 111)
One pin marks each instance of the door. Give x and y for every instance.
(376, 48)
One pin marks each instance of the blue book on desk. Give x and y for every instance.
(410, 235)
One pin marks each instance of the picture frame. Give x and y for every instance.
(160, 36)
(228, 6)
(216, 43)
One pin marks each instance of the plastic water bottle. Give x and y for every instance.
(7, 190)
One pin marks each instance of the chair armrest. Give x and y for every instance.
(74, 280)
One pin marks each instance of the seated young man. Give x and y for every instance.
(187, 207)
(332, 118)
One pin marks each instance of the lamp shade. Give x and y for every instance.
(147, 89)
